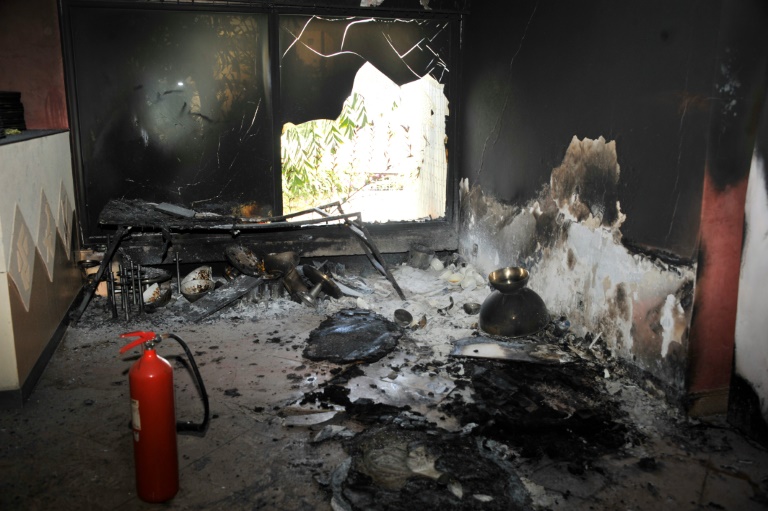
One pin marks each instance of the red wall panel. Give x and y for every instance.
(31, 61)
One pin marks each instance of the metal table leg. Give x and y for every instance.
(89, 288)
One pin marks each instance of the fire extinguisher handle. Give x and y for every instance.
(143, 337)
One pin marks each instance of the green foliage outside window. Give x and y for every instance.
(314, 169)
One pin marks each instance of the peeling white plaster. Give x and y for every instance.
(581, 269)
(669, 314)
(586, 160)
(580, 293)
(751, 356)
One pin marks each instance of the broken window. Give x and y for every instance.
(186, 106)
(364, 108)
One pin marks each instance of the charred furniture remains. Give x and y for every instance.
(130, 216)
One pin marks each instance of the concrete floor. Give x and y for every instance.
(70, 447)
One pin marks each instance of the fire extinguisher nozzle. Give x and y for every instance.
(142, 338)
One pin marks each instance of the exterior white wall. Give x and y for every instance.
(751, 356)
(408, 140)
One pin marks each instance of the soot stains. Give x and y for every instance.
(685, 295)
(587, 181)
(551, 226)
(571, 259)
(623, 301)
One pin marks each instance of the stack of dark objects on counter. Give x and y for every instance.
(11, 112)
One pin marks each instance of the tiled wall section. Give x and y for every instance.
(22, 257)
(35, 321)
(40, 278)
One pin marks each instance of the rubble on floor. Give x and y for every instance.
(395, 468)
(302, 419)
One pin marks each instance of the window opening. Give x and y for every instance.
(381, 150)
(177, 105)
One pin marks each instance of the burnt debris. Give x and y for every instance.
(353, 335)
(562, 412)
(393, 469)
(506, 411)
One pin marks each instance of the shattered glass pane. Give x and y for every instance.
(319, 58)
(364, 103)
(172, 106)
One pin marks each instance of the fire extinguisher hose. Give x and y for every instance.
(188, 426)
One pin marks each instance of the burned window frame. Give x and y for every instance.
(442, 232)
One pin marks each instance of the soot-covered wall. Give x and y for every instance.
(637, 73)
(587, 130)
(742, 63)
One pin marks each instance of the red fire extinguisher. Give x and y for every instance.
(153, 421)
(153, 417)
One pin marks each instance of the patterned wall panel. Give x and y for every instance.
(46, 235)
(64, 219)
(22, 257)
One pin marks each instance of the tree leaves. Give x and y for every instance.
(312, 170)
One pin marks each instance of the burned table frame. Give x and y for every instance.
(128, 215)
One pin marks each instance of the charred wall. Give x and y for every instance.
(637, 73)
(740, 86)
(638, 305)
(593, 132)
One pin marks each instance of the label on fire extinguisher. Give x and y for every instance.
(135, 417)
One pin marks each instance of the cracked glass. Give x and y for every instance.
(176, 106)
(363, 105)
(172, 107)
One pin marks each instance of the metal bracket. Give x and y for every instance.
(89, 288)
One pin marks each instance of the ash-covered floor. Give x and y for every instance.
(562, 426)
